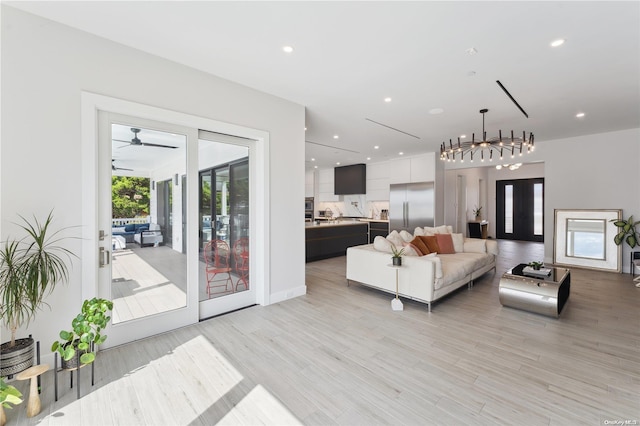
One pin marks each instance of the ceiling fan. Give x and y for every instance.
(114, 168)
(137, 142)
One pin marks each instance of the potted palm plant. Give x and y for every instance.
(85, 334)
(397, 255)
(30, 268)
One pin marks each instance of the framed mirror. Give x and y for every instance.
(584, 238)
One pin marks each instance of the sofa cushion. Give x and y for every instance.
(431, 242)
(475, 245)
(445, 243)
(420, 246)
(117, 230)
(130, 227)
(458, 242)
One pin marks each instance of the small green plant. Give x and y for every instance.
(9, 394)
(536, 265)
(627, 231)
(397, 253)
(477, 211)
(86, 328)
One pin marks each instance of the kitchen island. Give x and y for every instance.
(331, 239)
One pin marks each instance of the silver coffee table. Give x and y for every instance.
(544, 295)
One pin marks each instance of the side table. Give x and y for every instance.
(396, 303)
(32, 373)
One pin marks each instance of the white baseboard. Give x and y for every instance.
(288, 294)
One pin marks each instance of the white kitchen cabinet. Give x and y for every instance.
(309, 183)
(326, 186)
(378, 181)
(421, 168)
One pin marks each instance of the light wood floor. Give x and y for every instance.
(340, 355)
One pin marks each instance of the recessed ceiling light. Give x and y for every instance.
(376, 147)
(463, 136)
(401, 153)
(313, 159)
(305, 129)
(387, 99)
(436, 111)
(580, 114)
(338, 163)
(368, 158)
(558, 42)
(315, 167)
(336, 136)
(287, 49)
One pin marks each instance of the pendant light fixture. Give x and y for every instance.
(497, 147)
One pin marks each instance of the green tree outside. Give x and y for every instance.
(129, 196)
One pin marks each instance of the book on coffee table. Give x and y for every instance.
(543, 272)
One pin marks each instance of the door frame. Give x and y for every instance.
(91, 103)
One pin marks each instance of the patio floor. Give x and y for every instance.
(150, 280)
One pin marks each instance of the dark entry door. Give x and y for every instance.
(520, 209)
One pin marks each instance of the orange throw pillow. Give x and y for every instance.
(420, 246)
(431, 242)
(445, 242)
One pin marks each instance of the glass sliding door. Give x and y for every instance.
(225, 245)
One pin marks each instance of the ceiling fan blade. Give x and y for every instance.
(122, 168)
(158, 145)
(120, 140)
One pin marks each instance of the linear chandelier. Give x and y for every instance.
(485, 148)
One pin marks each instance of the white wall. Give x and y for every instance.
(600, 171)
(45, 66)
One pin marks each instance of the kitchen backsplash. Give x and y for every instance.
(354, 206)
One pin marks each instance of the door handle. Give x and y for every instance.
(104, 257)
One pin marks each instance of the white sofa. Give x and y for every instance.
(422, 278)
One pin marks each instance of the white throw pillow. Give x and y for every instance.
(395, 238)
(406, 237)
(449, 229)
(409, 250)
(475, 245)
(382, 244)
(418, 232)
(428, 231)
(458, 242)
(441, 230)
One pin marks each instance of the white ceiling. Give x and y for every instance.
(349, 56)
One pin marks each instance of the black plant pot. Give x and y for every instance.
(397, 261)
(18, 358)
(74, 362)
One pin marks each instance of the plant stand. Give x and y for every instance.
(396, 303)
(71, 370)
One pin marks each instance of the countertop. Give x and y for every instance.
(332, 224)
(352, 219)
(366, 219)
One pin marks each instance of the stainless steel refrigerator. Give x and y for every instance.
(411, 205)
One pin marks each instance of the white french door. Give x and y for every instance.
(156, 280)
(142, 266)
